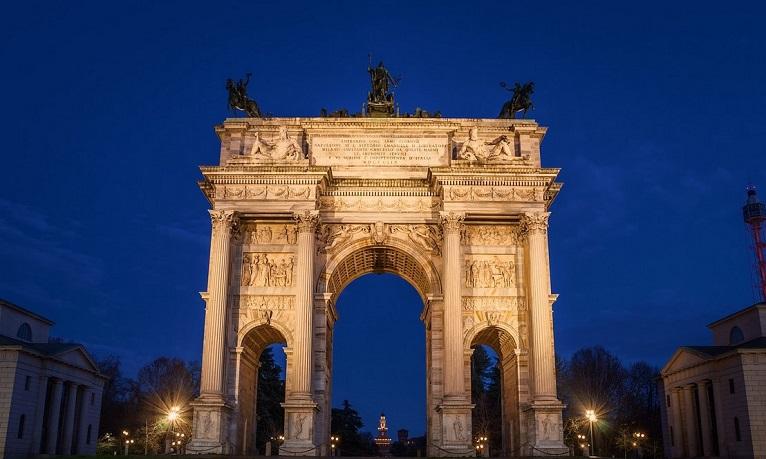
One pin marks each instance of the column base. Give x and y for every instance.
(299, 428)
(456, 441)
(545, 430)
(210, 426)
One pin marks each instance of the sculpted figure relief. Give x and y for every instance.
(489, 235)
(284, 148)
(260, 271)
(271, 234)
(429, 237)
(489, 274)
(498, 151)
(332, 235)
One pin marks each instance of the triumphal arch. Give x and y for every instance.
(303, 206)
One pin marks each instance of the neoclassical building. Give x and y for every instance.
(715, 396)
(303, 206)
(50, 393)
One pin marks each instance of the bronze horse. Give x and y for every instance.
(521, 100)
(238, 99)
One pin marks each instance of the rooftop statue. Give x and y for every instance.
(521, 100)
(380, 102)
(238, 98)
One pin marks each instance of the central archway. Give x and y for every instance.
(355, 259)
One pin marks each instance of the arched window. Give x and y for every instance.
(736, 336)
(25, 332)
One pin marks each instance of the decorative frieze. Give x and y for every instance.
(266, 192)
(269, 233)
(497, 272)
(497, 303)
(498, 150)
(272, 302)
(498, 235)
(267, 270)
(380, 204)
(495, 193)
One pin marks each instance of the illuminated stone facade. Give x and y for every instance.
(303, 206)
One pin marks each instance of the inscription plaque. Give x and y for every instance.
(379, 150)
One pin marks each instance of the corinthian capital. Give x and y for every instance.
(306, 221)
(224, 220)
(534, 223)
(451, 222)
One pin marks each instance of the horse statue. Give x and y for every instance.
(238, 98)
(521, 100)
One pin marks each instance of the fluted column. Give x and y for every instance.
(66, 439)
(223, 222)
(53, 416)
(534, 228)
(304, 299)
(454, 385)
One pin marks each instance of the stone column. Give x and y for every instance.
(211, 411)
(300, 408)
(534, 227)
(705, 420)
(53, 416)
(544, 413)
(676, 423)
(453, 319)
(37, 433)
(71, 401)
(82, 429)
(211, 383)
(455, 409)
(690, 419)
(304, 301)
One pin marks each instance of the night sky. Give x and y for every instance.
(656, 116)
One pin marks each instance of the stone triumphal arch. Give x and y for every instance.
(303, 206)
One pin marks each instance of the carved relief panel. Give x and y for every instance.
(269, 233)
(491, 235)
(489, 272)
(268, 269)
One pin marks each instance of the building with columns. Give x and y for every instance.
(714, 397)
(301, 207)
(50, 393)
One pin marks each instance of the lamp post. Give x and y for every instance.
(334, 442)
(591, 416)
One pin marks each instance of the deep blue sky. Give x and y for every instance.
(656, 114)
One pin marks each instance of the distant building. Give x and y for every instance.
(715, 396)
(50, 393)
(402, 435)
(383, 441)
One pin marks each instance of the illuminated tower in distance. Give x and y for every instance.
(754, 214)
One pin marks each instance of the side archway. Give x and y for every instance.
(502, 339)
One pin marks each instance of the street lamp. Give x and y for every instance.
(334, 442)
(591, 416)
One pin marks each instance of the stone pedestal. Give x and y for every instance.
(456, 437)
(299, 428)
(210, 429)
(545, 430)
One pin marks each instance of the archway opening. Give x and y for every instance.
(262, 368)
(495, 392)
(380, 367)
(379, 344)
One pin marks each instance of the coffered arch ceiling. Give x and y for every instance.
(379, 259)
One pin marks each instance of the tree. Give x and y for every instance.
(271, 394)
(346, 423)
(120, 399)
(486, 417)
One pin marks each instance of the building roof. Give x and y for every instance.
(734, 314)
(48, 349)
(714, 351)
(18, 308)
